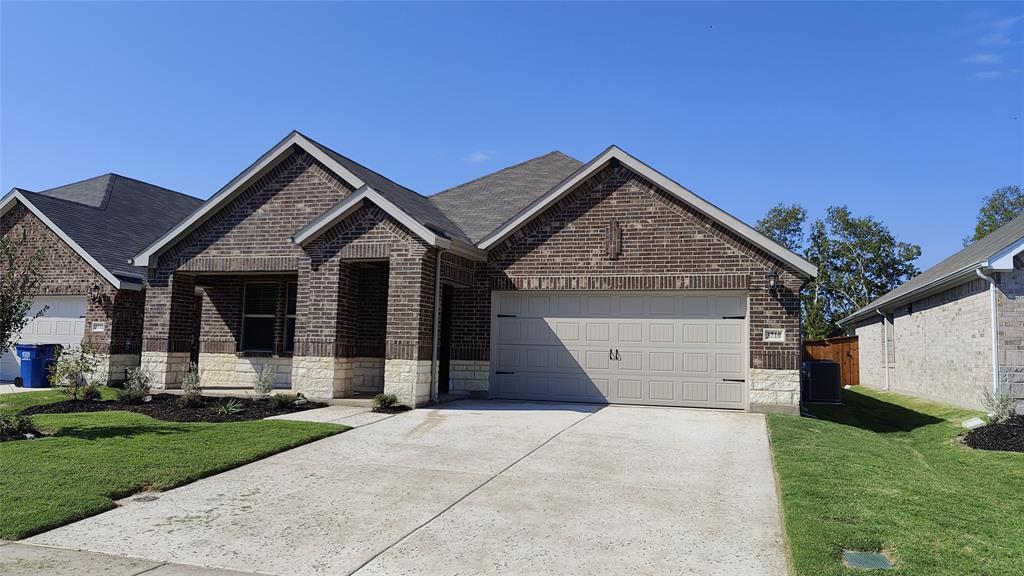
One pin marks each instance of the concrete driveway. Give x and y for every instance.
(478, 488)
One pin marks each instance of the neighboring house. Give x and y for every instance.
(89, 231)
(955, 330)
(549, 280)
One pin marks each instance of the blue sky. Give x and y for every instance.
(909, 112)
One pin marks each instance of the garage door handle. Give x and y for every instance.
(617, 357)
(733, 380)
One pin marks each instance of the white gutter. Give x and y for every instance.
(885, 344)
(995, 328)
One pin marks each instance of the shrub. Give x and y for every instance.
(264, 383)
(74, 372)
(91, 393)
(191, 387)
(226, 406)
(384, 402)
(1001, 405)
(136, 387)
(283, 400)
(16, 427)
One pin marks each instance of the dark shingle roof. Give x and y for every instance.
(412, 203)
(969, 257)
(480, 206)
(113, 217)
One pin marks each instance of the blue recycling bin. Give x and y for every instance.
(35, 362)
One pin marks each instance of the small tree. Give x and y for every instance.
(74, 372)
(998, 208)
(19, 281)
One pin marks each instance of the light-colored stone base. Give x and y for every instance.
(368, 375)
(233, 371)
(774, 390)
(117, 364)
(322, 377)
(409, 380)
(167, 368)
(469, 375)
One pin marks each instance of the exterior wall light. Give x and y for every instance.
(773, 280)
(94, 293)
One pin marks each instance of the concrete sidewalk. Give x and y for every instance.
(28, 560)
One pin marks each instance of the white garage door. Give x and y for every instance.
(62, 323)
(672, 349)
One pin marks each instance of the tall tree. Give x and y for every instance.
(998, 208)
(785, 225)
(858, 260)
(19, 280)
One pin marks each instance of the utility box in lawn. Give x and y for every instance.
(820, 382)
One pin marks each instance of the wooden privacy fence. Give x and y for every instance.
(843, 351)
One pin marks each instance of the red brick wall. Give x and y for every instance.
(65, 273)
(665, 244)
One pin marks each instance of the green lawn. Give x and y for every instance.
(98, 457)
(885, 472)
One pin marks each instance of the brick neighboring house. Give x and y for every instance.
(955, 330)
(89, 231)
(550, 280)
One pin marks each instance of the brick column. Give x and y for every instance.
(167, 331)
(408, 366)
(321, 367)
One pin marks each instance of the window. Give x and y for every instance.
(289, 323)
(258, 316)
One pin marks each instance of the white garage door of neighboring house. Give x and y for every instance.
(665, 348)
(62, 323)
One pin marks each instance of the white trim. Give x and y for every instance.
(614, 152)
(8, 201)
(263, 165)
(346, 207)
(1003, 260)
(994, 313)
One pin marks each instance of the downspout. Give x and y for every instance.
(995, 328)
(434, 366)
(885, 344)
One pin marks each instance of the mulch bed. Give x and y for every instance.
(1008, 436)
(165, 407)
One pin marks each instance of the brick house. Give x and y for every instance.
(955, 330)
(89, 231)
(548, 280)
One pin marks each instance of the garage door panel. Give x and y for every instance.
(729, 393)
(598, 332)
(695, 391)
(658, 348)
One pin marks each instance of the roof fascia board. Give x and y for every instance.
(665, 183)
(344, 209)
(929, 289)
(15, 195)
(467, 250)
(258, 169)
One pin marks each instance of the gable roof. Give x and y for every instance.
(481, 205)
(993, 252)
(400, 198)
(107, 219)
(614, 153)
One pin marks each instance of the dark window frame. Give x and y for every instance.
(245, 344)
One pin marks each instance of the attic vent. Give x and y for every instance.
(774, 335)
